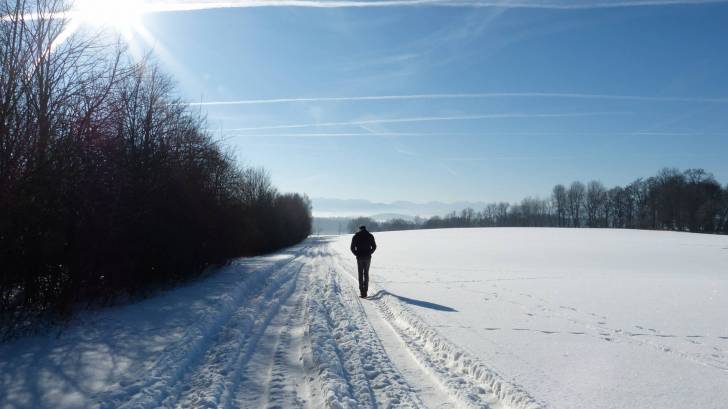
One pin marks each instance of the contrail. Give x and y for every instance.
(343, 134)
(426, 119)
(463, 96)
(449, 134)
(515, 157)
(533, 4)
(170, 6)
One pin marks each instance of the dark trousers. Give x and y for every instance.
(362, 265)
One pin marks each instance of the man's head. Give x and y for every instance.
(362, 227)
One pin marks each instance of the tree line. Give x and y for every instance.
(109, 184)
(690, 201)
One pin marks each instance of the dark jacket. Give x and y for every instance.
(363, 245)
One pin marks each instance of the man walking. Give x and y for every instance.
(363, 246)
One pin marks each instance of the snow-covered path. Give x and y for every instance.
(287, 330)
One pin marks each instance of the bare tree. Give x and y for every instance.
(502, 213)
(575, 201)
(467, 216)
(596, 200)
(107, 182)
(723, 213)
(560, 202)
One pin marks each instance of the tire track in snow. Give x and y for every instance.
(279, 358)
(468, 380)
(353, 368)
(193, 372)
(288, 387)
(432, 392)
(215, 381)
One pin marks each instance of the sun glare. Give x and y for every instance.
(117, 14)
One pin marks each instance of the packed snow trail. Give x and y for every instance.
(281, 331)
(467, 382)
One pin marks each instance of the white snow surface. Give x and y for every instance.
(472, 318)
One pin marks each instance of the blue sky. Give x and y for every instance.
(596, 93)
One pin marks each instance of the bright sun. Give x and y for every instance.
(117, 14)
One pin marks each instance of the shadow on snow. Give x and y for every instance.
(412, 301)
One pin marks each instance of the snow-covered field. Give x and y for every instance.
(501, 318)
(578, 318)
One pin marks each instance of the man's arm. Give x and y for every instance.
(374, 245)
(353, 245)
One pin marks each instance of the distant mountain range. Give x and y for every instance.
(326, 207)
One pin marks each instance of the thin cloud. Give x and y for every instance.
(171, 6)
(399, 147)
(504, 157)
(336, 134)
(559, 157)
(450, 170)
(427, 119)
(467, 134)
(531, 4)
(482, 95)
